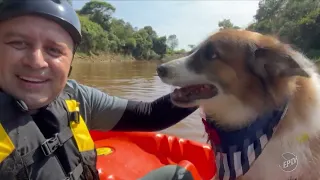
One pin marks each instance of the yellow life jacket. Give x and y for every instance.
(25, 152)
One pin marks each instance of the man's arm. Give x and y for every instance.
(151, 116)
(105, 112)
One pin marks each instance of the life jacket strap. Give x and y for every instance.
(48, 147)
(76, 173)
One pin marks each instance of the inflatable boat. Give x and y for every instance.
(131, 155)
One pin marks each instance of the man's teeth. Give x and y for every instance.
(31, 79)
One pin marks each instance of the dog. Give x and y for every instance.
(261, 98)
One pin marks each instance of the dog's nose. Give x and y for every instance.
(162, 71)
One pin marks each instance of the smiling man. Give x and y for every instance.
(36, 57)
(44, 117)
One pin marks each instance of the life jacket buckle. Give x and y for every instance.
(50, 145)
(76, 173)
(75, 116)
(70, 177)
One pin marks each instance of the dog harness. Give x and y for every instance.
(236, 150)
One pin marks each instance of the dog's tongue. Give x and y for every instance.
(194, 92)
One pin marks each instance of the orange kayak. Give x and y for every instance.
(131, 155)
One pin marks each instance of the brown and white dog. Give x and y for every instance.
(241, 79)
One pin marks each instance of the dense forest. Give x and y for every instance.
(294, 21)
(103, 33)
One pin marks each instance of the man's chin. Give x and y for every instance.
(35, 101)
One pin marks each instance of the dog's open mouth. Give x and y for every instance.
(191, 93)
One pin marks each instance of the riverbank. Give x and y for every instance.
(112, 57)
(105, 57)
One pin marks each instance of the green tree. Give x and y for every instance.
(160, 46)
(70, 1)
(226, 24)
(104, 33)
(144, 45)
(99, 12)
(95, 39)
(172, 42)
(191, 46)
(293, 21)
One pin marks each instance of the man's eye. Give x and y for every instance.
(20, 45)
(54, 52)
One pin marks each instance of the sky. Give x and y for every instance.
(191, 21)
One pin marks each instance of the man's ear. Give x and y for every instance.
(269, 63)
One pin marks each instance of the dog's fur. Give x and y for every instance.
(255, 73)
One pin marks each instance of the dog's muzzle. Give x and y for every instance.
(162, 71)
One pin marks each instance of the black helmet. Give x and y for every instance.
(59, 11)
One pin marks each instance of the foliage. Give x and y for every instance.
(104, 33)
(95, 39)
(70, 2)
(294, 21)
(226, 24)
(191, 46)
(172, 42)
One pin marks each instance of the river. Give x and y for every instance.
(135, 80)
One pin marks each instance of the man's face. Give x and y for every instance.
(35, 58)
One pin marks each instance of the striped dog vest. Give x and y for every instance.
(236, 150)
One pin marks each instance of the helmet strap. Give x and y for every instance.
(70, 71)
(74, 52)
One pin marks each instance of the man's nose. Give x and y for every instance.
(36, 59)
(162, 71)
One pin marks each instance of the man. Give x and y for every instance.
(44, 118)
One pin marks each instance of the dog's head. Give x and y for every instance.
(234, 75)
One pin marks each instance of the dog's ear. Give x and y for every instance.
(269, 63)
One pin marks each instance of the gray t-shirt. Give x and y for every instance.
(100, 110)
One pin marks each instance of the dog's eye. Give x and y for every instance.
(209, 53)
(214, 56)
(211, 56)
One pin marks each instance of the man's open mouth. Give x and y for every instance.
(191, 93)
(32, 80)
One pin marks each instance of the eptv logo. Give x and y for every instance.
(289, 162)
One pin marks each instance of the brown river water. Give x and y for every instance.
(137, 81)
